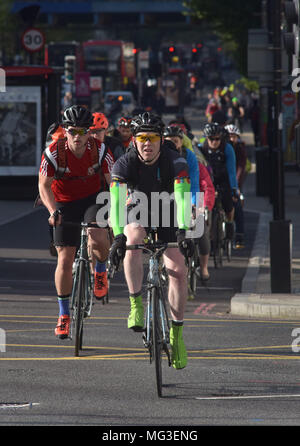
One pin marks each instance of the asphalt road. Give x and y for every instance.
(240, 371)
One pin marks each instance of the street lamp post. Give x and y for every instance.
(280, 229)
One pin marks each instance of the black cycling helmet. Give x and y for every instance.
(147, 122)
(173, 130)
(77, 116)
(212, 129)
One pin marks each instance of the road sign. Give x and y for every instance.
(33, 40)
(289, 98)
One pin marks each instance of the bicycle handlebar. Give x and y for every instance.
(151, 246)
(80, 225)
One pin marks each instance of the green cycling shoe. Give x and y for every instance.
(179, 353)
(136, 316)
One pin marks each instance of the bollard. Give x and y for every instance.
(281, 256)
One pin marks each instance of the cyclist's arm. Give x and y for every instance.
(46, 193)
(193, 174)
(182, 188)
(231, 166)
(107, 177)
(118, 193)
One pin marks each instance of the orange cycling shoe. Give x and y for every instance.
(101, 285)
(63, 326)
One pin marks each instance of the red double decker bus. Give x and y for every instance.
(112, 60)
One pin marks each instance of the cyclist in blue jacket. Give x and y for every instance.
(221, 158)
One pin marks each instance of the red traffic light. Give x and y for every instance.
(194, 50)
(171, 49)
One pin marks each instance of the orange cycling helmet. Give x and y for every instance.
(100, 121)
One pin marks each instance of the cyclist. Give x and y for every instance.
(241, 161)
(236, 113)
(99, 131)
(71, 196)
(125, 130)
(221, 159)
(151, 167)
(200, 181)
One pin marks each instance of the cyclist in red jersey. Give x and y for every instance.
(72, 197)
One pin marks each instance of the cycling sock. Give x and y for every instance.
(100, 267)
(177, 323)
(63, 302)
(135, 295)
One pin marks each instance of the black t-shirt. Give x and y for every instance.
(150, 180)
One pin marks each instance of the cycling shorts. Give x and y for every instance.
(76, 211)
(226, 196)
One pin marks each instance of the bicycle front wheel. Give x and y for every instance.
(157, 339)
(79, 308)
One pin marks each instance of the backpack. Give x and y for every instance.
(62, 157)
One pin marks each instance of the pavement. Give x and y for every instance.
(255, 299)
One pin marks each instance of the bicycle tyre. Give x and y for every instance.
(216, 241)
(157, 339)
(228, 249)
(79, 304)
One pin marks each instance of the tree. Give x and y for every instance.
(230, 20)
(7, 31)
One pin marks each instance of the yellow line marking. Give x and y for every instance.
(201, 320)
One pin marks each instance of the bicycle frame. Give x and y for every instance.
(83, 256)
(154, 281)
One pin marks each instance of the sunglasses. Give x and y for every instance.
(80, 132)
(214, 139)
(143, 137)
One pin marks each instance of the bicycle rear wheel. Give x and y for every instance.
(217, 247)
(79, 308)
(157, 339)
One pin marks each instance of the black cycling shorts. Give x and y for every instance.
(226, 196)
(166, 234)
(83, 210)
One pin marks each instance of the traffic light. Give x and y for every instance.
(291, 36)
(194, 55)
(70, 68)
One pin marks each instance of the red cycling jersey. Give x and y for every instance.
(79, 180)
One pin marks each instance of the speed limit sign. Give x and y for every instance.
(33, 39)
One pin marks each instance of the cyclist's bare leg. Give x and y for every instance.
(99, 244)
(63, 272)
(204, 265)
(133, 261)
(177, 271)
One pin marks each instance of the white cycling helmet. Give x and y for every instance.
(232, 129)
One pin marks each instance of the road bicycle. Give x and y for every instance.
(194, 269)
(83, 286)
(156, 334)
(220, 245)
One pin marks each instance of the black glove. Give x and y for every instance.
(185, 245)
(235, 193)
(117, 251)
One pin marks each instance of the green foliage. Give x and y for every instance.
(250, 85)
(231, 20)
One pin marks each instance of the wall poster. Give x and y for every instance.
(20, 131)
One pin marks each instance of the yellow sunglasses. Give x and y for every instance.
(80, 132)
(143, 137)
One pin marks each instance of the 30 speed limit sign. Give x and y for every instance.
(33, 40)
